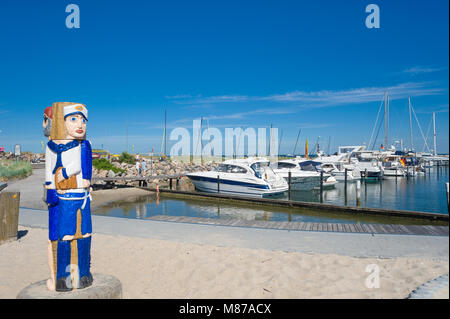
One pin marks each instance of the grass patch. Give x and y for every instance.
(127, 158)
(103, 163)
(14, 169)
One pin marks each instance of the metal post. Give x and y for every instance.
(289, 185)
(365, 193)
(358, 193)
(345, 186)
(218, 184)
(345, 178)
(446, 185)
(321, 186)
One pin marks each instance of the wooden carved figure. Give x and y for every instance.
(68, 172)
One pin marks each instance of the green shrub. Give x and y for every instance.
(127, 158)
(103, 163)
(14, 169)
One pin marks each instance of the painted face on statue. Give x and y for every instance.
(75, 127)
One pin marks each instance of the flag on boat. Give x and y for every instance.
(403, 162)
(306, 148)
(382, 147)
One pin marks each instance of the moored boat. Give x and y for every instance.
(246, 177)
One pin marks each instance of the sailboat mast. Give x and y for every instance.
(410, 126)
(386, 122)
(165, 132)
(434, 133)
(329, 141)
(127, 136)
(296, 142)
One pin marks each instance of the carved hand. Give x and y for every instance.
(85, 183)
(59, 176)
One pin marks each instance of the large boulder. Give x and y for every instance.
(111, 174)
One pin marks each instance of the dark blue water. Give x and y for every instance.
(425, 193)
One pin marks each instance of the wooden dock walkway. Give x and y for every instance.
(319, 227)
(135, 178)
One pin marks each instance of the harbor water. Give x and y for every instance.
(425, 193)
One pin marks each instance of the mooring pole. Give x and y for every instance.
(345, 179)
(289, 184)
(345, 186)
(448, 198)
(218, 183)
(321, 186)
(358, 193)
(365, 175)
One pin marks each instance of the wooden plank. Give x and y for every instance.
(284, 225)
(402, 228)
(358, 228)
(351, 228)
(443, 231)
(431, 230)
(389, 229)
(278, 225)
(9, 215)
(372, 228)
(293, 225)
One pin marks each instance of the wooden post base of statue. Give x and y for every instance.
(103, 287)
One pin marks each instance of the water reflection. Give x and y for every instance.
(422, 193)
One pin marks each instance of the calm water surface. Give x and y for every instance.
(422, 193)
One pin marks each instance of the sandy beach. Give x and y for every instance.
(176, 267)
(150, 268)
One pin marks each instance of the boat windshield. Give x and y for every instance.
(310, 166)
(259, 168)
(285, 165)
(226, 168)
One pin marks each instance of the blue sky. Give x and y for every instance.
(312, 65)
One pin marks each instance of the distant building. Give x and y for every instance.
(98, 153)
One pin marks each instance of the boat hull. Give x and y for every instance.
(233, 187)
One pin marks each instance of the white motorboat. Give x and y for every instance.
(246, 177)
(300, 179)
(314, 166)
(365, 161)
(393, 166)
(338, 170)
